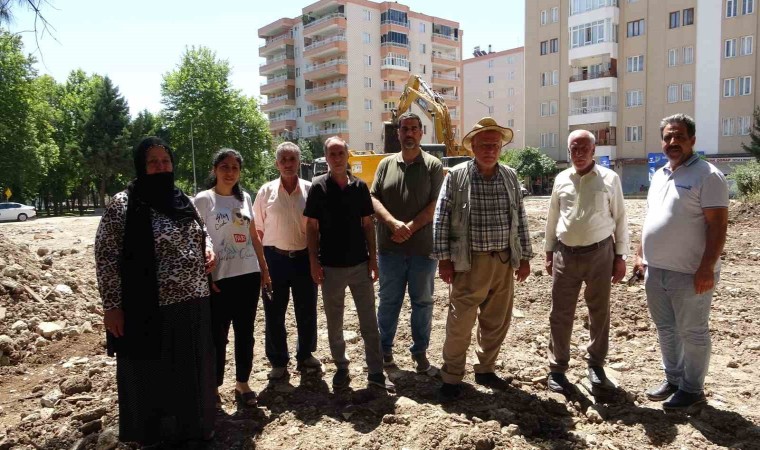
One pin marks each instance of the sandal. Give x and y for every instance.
(245, 398)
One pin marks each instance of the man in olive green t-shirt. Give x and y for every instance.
(404, 196)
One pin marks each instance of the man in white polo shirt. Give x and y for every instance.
(586, 242)
(682, 239)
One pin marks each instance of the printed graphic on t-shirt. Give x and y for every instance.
(234, 226)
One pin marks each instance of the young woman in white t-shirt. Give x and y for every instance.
(240, 271)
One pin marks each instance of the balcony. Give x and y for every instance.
(278, 63)
(592, 81)
(313, 72)
(391, 93)
(445, 60)
(394, 47)
(278, 83)
(445, 79)
(587, 51)
(278, 103)
(386, 116)
(446, 40)
(592, 15)
(394, 25)
(398, 67)
(581, 115)
(278, 43)
(324, 133)
(277, 27)
(327, 92)
(330, 23)
(336, 112)
(282, 122)
(332, 45)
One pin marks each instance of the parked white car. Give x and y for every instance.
(16, 211)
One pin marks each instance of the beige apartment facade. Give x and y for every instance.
(623, 65)
(493, 85)
(340, 67)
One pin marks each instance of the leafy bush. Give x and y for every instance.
(747, 177)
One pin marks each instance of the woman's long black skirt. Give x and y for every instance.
(171, 398)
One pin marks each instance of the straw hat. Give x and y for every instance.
(487, 124)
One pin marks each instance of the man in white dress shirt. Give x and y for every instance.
(586, 242)
(278, 215)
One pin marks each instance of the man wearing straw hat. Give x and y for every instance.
(481, 238)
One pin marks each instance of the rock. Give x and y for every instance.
(75, 360)
(595, 414)
(406, 405)
(47, 329)
(2, 313)
(538, 273)
(484, 443)
(33, 417)
(40, 342)
(19, 325)
(90, 415)
(6, 344)
(517, 313)
(63, 289)
(76, 385)
(42, 251)
(350, 337)
(51, 398)
(46, 413)
(91, 427)
(48, 260)
(64, 252)
(108, 439)
(621, 366)
(733, 364)
(86, 328)
(13, 271)
(754, 346)
(511, 430)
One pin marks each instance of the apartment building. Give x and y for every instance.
(341, 65)
(617, 67)
(494, 85)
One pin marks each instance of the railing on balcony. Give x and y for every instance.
(340, 107)
(283, 77)
(391, 62)
(395, 22)
(271, 100)
(277, 58)
(325, 87)
(594, 75)
(317, 44)
(275, 39)
(394, 44)
(284, 116)
(592, 109)
(449, 97)
(445, 76)
(582, 6)
(323, 20)
(313, 67)
(323, 132)
(446, 56)
(445, 36)
(392, 89)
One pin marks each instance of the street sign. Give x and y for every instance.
(8, 193)
(604, 161)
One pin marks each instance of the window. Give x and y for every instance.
(748, 6)
(544, 109)
(298, 92)
(387, 106)
(490, 79)
(687, 92)
(511, 92)
(745, 45)
(635, 63)
(422, 27)
(675, 19)
(636, 28)
(369, 146)
(745, 125)
(731, 8)
(423, 48)
(672, 93)
(490, 63)
(510, 107)
(298, 112)
(490, 110)
(543, 16)
(633, 134)
(555, 14)
(367, 60)
(511, 123)
(368, 127)
(490, 94)
(298, 72)
(423, 68)
(634, 98)
(548, 140)
(544, 47)
(367, 15)
(511, 75)
(367, 104)
(366, 38)
(555, 77)
(745, 85)
(545, 78)
(554, 47)
(688, 55)
(688, 17)
(510, 59)
(729, 49)
(728, 126)
(367, 82)
(672, 57)
(729, 87)
(593, 33)
(553, 107)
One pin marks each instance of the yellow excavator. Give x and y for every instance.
(363, 164)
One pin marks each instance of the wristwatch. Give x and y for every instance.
(623, 257)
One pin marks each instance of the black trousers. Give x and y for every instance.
(290, 274)
(236, 304)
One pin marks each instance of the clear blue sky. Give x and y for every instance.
(135, 42)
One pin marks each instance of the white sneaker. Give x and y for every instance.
(277, 373)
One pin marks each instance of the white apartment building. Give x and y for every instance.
(494, 86)
(617, 67)
(340, 66)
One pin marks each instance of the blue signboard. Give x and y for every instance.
(604, 161)
(657, 160)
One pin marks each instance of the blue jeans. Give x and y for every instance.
(682, 319)
(396, 271)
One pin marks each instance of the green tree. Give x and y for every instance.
(199, 97)
(105, 143)
(754, 143)
(529, 162)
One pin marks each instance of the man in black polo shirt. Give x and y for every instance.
(341, 240)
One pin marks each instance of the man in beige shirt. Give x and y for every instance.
(586, 242)
(278, 215)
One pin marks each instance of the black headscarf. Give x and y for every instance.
(139, 281)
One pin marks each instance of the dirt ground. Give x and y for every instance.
(304, 413)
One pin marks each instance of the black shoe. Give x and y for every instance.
(662, 392)
(449, 392)
(378, 379)
(598, 378)
(491, 380)
(341, 379)
(685, 401)
(558, 382)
